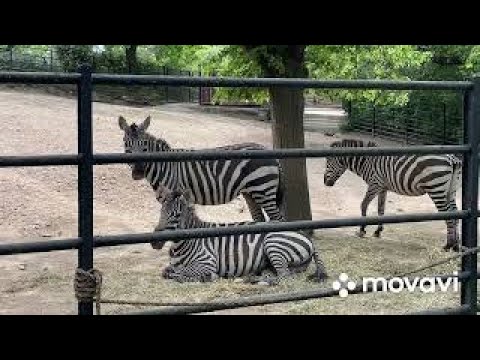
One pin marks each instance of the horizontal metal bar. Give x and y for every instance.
(102, 159)
(39, 246)
(40, 160)
(268, 82)
(460, 310)
(172, 235)
(38, 77)
(260, 300)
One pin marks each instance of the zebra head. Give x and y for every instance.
(337, 165)
(136, 140)
(177, 208)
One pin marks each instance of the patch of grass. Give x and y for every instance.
(341, 252)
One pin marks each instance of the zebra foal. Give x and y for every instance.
(212, 182)
(410, 175)
(244, 255)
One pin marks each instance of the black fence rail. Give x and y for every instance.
(85, 159)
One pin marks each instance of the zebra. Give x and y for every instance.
(411, 175)
(212, 182)
(259, 258)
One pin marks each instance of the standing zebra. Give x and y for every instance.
(411, 175)
(206, 259)
(212, 182)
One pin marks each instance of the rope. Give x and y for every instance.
(464, 252)
(87, 286)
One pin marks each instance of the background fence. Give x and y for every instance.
(85, 159)
(440, 123)
(20, 61)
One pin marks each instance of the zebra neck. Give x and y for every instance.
(160, 173)
(356, 164)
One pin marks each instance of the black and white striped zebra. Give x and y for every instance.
(411, 175)
(212, 182)
(246, 255)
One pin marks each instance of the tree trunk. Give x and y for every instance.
(287, 107)
(131, 58)
(287, 127)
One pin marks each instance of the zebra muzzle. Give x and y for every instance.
(137, 173)
(329, 182)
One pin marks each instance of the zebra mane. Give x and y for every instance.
(161, 143)
(353, 143)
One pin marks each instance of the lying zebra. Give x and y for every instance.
(411, 175)
(212, 182)
(245, 255)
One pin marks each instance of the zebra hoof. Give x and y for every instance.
(167, 272)
(377, 234)
(361, 233)
(452, 246)
(448, 247)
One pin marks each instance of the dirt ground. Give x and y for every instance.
(41, 204)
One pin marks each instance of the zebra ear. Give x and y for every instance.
(164, 195)
(188, 195)
(145, 124)
(122, 123)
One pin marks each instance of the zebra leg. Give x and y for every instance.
(382, 197)
(167, 271)
(453, 239)
(266, 278)
(191, 273)
(369, 196)
(255, 210)
(444, 203)
(279, 263)
(268, 202)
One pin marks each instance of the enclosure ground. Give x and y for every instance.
(41, 204)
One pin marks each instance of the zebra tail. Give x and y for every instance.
(320, 273)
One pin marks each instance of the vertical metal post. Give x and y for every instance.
(51, 58)
(199, 90)
(444, 123)
(11, 58)
(85, 178)
(190, 89)
(165, 72)
(470, 193)
(374, 120)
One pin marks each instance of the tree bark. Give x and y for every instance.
(288, 106)
(287, 128)
(131, 58)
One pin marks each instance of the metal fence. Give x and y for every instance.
(11, 60)
(408, 124)
(85, 159)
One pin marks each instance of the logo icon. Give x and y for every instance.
(344, 285)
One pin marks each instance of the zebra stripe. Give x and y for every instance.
(410, 175)
(211, 182)
(204, 259)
